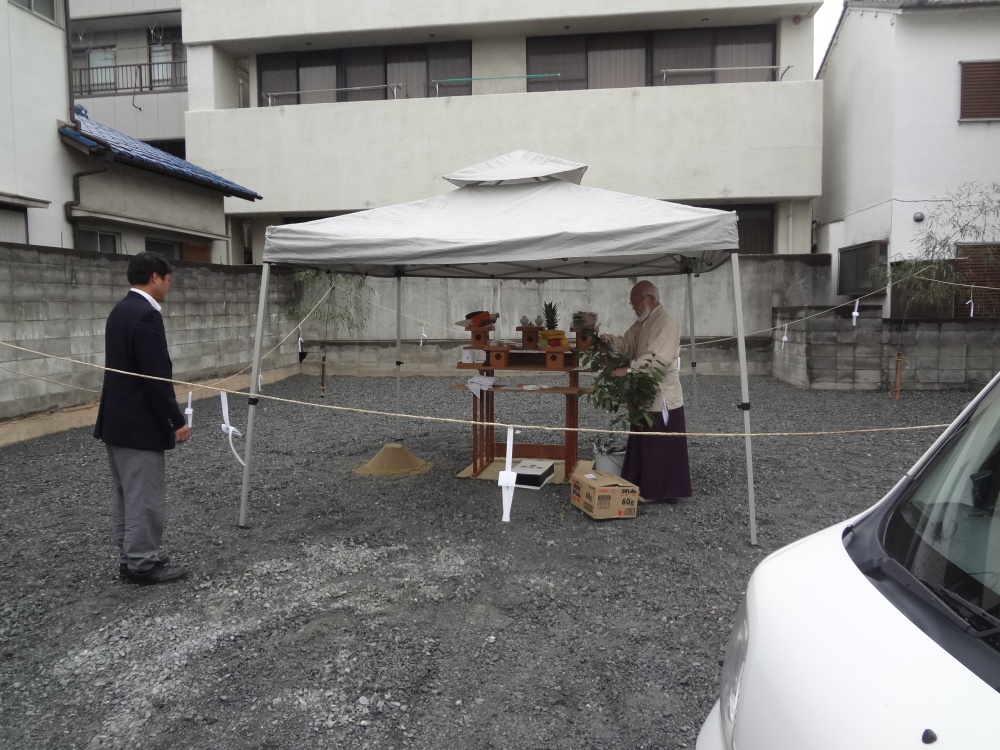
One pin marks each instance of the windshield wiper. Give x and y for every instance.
(967, 611)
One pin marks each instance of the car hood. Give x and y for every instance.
(832, 664)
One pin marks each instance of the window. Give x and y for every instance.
(365, 74)
(946, 530)
(101, 68)
(856, 263)
(243, 74)
(565, 55)
(447, 62)
(47, 8)
(247, 228)
(980, 90)
(169, 250)
(98, 242)
(742, 54)
(167, 60)
(13, 224)
(756, 228)
(616, 61)
(727, 55)
(196, 252)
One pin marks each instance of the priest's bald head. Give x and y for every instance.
(644, 298)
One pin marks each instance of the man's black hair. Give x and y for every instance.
(142, 267)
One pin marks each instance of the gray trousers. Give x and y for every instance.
(138, 506)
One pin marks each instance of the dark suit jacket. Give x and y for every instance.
(135, 412)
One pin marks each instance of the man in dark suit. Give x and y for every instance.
(138, 420)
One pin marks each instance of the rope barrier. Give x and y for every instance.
(213, 385)
(468, 423)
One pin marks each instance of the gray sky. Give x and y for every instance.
(824, 22)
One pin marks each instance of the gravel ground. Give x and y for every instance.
(401, 613)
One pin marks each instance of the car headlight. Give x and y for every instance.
(732, 673)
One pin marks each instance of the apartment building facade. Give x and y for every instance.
(353, 106)
(69, 181)
(129, 67)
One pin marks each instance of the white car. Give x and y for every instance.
(883, 631)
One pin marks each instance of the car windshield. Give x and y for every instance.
(946, 531)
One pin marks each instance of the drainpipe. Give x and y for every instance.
(108, 157)
(70, 205)
(69, 66)
(791, 225)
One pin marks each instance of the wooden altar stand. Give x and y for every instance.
(528, 357)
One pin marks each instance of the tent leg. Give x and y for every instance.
(254, 380)
(745, 405)
(694, 361)
(399, 345)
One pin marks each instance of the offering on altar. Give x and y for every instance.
(552, 335)
(478, 319)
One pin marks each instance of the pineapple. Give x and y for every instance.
(551, 312)
(552, 336)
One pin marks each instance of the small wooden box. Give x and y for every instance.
(529, 336)
(583, 340)
(498, 356)
(480, 337)
(556, 357)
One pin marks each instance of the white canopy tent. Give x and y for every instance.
(521, 215)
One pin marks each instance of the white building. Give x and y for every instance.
(71, 182)
(35, 169)
(912, 112)
(357, 105)
(130, 67)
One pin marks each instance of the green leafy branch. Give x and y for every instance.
(628, 398)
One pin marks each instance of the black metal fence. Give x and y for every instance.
(124, 79)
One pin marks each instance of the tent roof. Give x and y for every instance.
(517, 167)
(519, 216)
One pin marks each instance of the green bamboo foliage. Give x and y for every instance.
(347, 311)
(968, 215)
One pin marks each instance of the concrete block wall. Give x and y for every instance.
(55, 302)
(431, 306)
(942, 354)
(440, 357)
(830, 352)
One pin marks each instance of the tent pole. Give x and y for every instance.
(745, 405)
(399, 345)
(694, 362)
(265, 276)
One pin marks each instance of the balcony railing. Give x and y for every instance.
(279, 98)
(773, 71)
(125, 79)
(439, 82)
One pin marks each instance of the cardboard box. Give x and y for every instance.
(602, 495)
(533, 473)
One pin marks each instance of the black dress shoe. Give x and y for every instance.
(159, 573)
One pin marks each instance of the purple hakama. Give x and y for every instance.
(658, 465)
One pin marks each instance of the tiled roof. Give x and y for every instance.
(94, 135)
